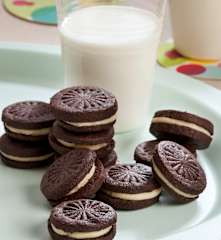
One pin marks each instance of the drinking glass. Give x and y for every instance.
(112, 44)
(196, 28)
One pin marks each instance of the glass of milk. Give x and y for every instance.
(197, 28)
(112, 44)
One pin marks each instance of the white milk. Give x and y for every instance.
(113, 47)
(197, 27)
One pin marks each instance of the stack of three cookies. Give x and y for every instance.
(25, 144)
(85, 118)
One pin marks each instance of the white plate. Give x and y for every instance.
(34, 72)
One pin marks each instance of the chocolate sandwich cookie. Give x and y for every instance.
(77, 174)
(82, 219)
(182, 127)
(176, 168)
(85, 109)
(20, 154)
(144, 152)
(109, 160)
(63, 141)
(129, 187)
(28, 120)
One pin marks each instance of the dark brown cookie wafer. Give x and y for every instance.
(83, 218)
(178, 171)
(28, 120)
(85, 108)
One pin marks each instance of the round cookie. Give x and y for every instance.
(63, 141)
(182, 127)
(82, 219)
(77, 174)
(176, 168)
(129, 187)
(109, 160)
(144, 152)
(59, 149)
(19, 154)
(28, 120)
(85, 109)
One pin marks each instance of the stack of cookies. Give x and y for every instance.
(25, 143)
(85, 118)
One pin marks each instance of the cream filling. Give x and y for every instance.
(176, 190)
(29, 132)
(27, 159)
(83, 182)
(136, 196)
(87, 146)
(81, 235)
(181, 123)
(96, 123)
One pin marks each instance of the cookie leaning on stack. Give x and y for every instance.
(176, 168)
(76, 174)
(25, 144)
(144, 151)
(85, 118)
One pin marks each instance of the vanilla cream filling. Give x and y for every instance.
(176, 190)
(83, 182)
(87, 146)
(27, 159)
(136, 196)
(96, 123)
(181, 123)
(29, 132)
(81, 235)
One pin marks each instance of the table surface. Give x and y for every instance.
(13, 29)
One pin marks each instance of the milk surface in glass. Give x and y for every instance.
(113, 47)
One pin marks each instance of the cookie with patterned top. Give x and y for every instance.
(129, 187)
(77, 174)
(82, 219)
(144, 151)
(85, 109)
(28, 120)
(177, 169)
